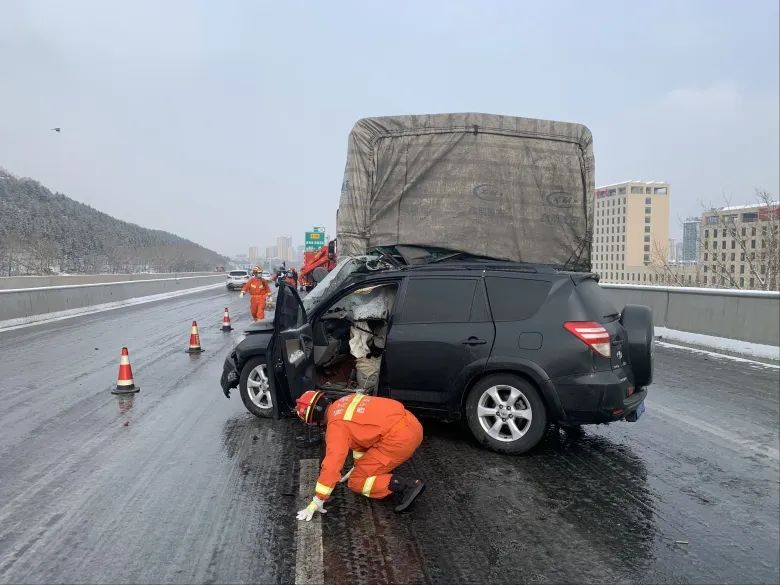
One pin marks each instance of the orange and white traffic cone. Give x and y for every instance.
(226, 321)
(124, 380)
(194, 339)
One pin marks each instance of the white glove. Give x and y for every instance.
(347, 474)
(316, 505)
(242, 294)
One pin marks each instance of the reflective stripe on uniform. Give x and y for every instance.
(368, 484)
(352, 406)
(323, 489)
(357, 454)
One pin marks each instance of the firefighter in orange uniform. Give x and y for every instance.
(258, 290)
(381, 434)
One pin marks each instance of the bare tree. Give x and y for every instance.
(672, 273)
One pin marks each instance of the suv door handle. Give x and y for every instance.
(474, 341)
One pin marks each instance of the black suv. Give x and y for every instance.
(508, 347)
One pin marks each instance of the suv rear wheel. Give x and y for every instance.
(506, 414)
(254, 389)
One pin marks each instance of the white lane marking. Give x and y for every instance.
(719, 355)
(309, 566)
(720, 432)
(13, 324)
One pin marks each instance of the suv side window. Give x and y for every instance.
(437, 300)
(516, 299)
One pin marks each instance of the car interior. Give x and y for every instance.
(349, 339)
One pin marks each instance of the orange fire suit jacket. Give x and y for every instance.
(256, 286)
(355, 422)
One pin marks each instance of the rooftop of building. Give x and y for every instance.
(633, 182)
(743, 207)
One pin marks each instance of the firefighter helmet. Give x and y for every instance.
(311, 406)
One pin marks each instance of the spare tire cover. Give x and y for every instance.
(637, 320)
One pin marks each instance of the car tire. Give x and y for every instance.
(507, 436)
(256, 393)
(637, 320)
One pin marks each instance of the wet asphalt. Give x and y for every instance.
(180, 485)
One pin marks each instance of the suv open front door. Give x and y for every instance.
(291, 354)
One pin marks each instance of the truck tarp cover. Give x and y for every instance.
(508, 188)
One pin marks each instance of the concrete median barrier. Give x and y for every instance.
(19, 306)
(745, 315)
(12, 282)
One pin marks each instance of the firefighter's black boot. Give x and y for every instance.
(405, 490)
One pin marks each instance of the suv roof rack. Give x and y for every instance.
(482, 265)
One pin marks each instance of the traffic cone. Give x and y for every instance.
(124, 380)
(194, 339)
(226, 321)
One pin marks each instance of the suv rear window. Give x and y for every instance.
(516, 299)
(437, 300)
(238, 273)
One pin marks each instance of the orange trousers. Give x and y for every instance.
(371, 476)
(257, 306)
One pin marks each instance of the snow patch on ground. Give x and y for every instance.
(11, 324)
(730, 346)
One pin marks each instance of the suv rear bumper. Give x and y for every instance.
(599, 397)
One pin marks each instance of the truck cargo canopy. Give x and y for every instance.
(500, 187)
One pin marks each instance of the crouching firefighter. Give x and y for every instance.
(381, 434)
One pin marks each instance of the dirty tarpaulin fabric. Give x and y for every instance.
(509, 188)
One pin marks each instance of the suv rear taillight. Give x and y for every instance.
(591, 334)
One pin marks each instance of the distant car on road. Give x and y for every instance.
(237, 278)
(507, 347)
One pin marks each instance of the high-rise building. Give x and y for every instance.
(254, 254)
(741, 246)
(284, 248)
(679, 250)
(690, 240)
(271, 252)
(672, 250)
(631, 230)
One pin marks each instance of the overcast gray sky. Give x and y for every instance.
(226, 121)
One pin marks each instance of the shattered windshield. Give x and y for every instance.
(332, 281)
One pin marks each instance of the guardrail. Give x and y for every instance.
(18, 305)
(8, 282)
(746, 315)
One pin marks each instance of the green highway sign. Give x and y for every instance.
(314, 241)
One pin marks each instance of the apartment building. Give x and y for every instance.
(740, 246)
(631, 237)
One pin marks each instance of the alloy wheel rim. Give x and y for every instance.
(504, 413)
(258, 389)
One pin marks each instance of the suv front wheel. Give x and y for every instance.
(506, 414)
(254, 388)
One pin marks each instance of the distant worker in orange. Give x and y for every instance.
(381, 434)
(258, 290)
